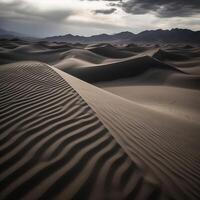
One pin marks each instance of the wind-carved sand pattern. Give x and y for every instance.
(53, 146)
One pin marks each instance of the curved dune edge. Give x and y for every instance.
(178, 102)
(163, 146)
(53, 146)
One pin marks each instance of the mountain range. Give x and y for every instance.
(165, 36)
(160, 36)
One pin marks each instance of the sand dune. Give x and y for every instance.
(71, 63)
(140, 70)
(135, 138)
(164, 55)
(119, 69)
(54, 145)
(186, 58)
(165, 146)
(85, 55)
(135, 48)
(109, 51)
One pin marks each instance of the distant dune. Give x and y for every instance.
(163, 55)
(110, 51)
(131, 131)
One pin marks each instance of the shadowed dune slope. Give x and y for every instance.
(164, 146)
(164, 55)
(135, 48)
(109, 51)
(125, 68)
(53, 145)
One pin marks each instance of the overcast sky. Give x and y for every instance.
(88, 17)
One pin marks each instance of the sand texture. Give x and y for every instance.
(100, 121)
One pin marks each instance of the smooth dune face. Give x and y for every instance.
(54, 146)
(134, 136)
(165, 146)
(178, 102)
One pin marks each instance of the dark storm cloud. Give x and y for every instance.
(105, 11)
(160, 8)
(163, 8)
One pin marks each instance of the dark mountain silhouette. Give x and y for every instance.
(170, 36)
(150, 36)
(165, 36)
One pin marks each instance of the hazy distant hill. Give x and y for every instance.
(10, 34)
(166, 36)
(5, 34)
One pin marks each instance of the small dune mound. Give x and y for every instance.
(109, 51)
(188, 46)
(50, 47)
(79, 45)
(85, 55)
(10, 43)
(17, 40)
(135, 48)
(164, 55)
(42, 47)
(71, 63)
(99, 45)
(54, 45)
(157, 46)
